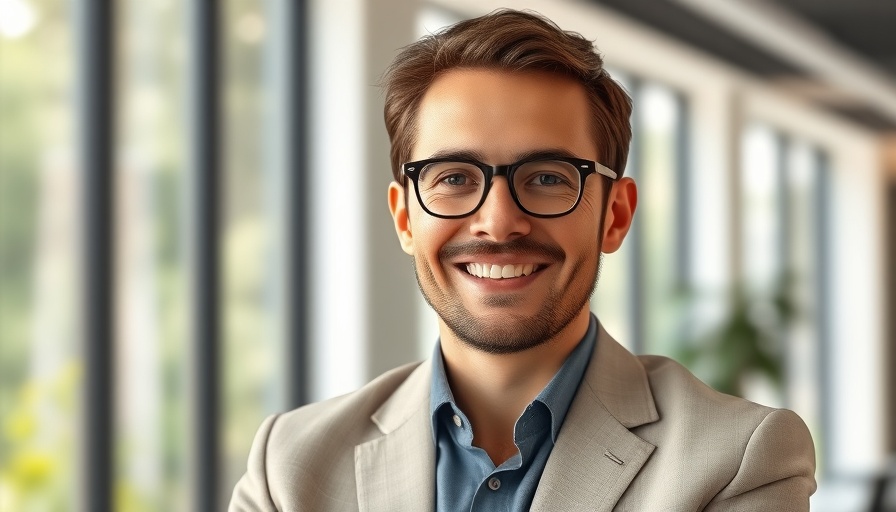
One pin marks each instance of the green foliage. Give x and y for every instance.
(37, 448)
(748, 341)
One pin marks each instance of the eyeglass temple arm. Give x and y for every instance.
(605, 171)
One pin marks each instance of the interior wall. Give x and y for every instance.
(362, 287)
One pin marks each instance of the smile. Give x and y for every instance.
(488, 271)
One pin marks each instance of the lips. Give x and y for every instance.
(490, 271)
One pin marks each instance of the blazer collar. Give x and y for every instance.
(593, 462)
(397, 471)
(619, 381)
(596, 456)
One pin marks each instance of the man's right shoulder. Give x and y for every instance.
(304, 459)
(346, 417)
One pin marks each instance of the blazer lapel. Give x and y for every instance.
(397, 470)
(596, 456)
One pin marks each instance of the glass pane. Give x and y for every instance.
(659, 211)
(761, 217)
(611, 296)
(761, 168)
(152, 388)
(253, 270)
(40, 307)
(803, 335)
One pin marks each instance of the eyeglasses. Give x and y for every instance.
(449, 188)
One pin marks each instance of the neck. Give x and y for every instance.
(493, 390)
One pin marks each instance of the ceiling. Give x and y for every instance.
(864, 28)
(867, 27)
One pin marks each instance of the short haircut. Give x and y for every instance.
(505, 40)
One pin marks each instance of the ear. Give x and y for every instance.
(398, 208)
(620, 211)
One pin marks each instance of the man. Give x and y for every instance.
(508, 142)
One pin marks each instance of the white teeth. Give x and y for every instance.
(488, 271)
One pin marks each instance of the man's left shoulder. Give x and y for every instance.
(682, 398)
(741, 452)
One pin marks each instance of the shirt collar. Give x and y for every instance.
(440, 392)
(557, 395)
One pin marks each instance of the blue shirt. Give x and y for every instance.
(466, 478)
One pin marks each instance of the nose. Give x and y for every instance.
(499, 219)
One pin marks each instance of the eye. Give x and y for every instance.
(547, 176)
(455, 180)
(548, 179)
(450, 175)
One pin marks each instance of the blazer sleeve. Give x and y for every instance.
(252, 493)
(777, 471)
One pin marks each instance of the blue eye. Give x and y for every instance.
(548, 179)
(455, 179)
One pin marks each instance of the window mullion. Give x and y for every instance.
(95, 24)
(205, 192)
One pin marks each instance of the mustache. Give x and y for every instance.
(521, 246)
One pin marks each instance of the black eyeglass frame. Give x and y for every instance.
(585, 167)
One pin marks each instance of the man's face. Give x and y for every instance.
(501, 116)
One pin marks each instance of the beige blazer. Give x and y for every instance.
(642, 434)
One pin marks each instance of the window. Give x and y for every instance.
(155, 107)
(640, 291)
(783, 205)
(41, 362)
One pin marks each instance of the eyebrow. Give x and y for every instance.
(458, 154)
(535, 154)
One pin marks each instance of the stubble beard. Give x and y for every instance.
(514, 332)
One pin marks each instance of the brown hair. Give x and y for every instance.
(514, 41)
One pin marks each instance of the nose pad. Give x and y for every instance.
(500, 218)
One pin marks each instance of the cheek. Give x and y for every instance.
(579, 235)
(430, 233)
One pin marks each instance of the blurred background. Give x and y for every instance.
(194, 232)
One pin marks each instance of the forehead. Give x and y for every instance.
(501, 114)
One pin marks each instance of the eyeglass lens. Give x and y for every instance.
(544, 187)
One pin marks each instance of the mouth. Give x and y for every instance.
(512, 271)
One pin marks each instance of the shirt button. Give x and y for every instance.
(494, 484)
(457, 420)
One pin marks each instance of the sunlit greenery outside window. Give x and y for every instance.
(658, 133)
(781, 179)
(40, 364)
(151, 343)
(253, 241)
(639, 291)
(155, 360)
